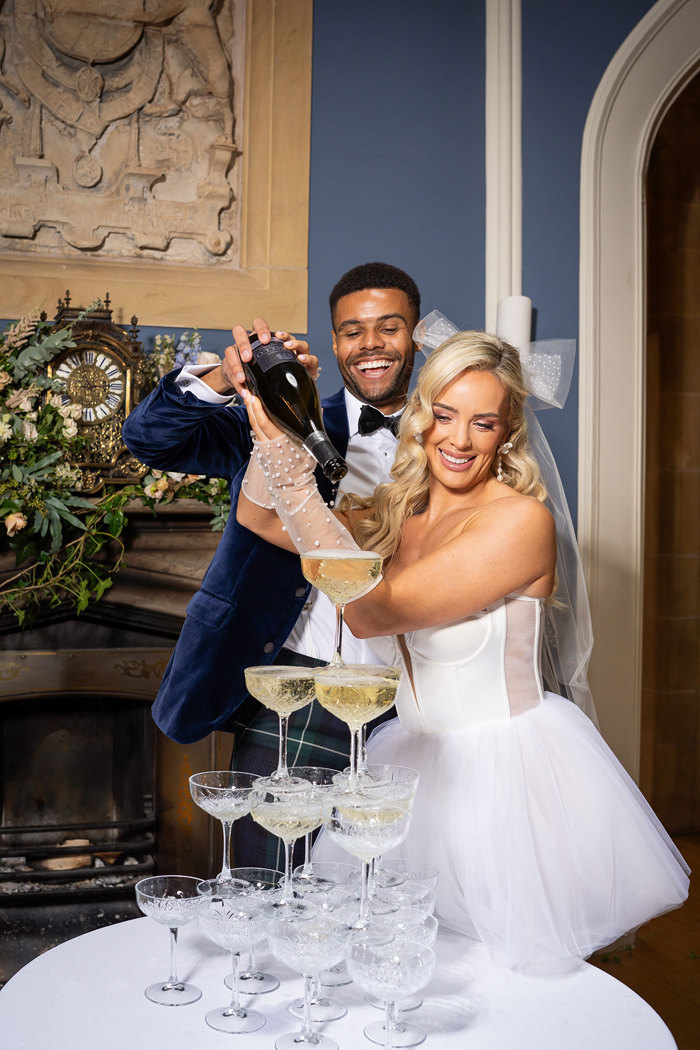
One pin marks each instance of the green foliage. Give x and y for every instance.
(66, 548)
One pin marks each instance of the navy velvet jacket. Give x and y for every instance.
(252, 593)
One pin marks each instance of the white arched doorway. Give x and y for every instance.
(650, 69)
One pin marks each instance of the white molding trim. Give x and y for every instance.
(503, 154)
(645, 76)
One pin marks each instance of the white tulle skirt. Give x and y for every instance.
(547, 849)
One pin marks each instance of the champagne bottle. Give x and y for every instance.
(291, 400)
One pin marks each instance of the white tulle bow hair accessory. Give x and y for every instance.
(547, 366)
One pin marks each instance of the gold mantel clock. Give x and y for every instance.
(104, 375)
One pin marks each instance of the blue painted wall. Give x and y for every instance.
(397, 159)
(566, 50)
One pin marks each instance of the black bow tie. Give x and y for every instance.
(372, 419)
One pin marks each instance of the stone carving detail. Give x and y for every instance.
(117, 129)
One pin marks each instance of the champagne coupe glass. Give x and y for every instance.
(366, 828)
(172, 901)
(340, 875)
(342, 575)
(264, 885)
(307, 946)
(326, 889)
(356, 693)
(398, 782)
(411, 925)
(416, 875)
(323, 782)
(234, 922)
(390, 970)
(288, 810)
(225, 794)
(283, 689)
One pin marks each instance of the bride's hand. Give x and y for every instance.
(260, 423)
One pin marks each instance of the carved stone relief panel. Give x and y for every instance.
(117, 125)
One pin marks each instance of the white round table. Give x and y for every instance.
(90, 992)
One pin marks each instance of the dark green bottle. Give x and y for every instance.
(291, 400)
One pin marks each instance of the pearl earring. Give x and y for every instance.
(503, 451)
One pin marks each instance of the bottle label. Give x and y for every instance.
(274, 353)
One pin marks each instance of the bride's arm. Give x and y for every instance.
(278, 499)
(508, 547)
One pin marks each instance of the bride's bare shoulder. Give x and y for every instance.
(515, 509)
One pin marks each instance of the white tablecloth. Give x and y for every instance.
(89, 992)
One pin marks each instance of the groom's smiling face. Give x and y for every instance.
(373, 344)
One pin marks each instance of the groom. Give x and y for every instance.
(254, 605)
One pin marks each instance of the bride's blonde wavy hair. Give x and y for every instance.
(394, 502)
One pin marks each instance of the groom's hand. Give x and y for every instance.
(230, 377)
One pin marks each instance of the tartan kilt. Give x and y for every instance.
(315, 737)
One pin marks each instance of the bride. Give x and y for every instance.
(546, 848)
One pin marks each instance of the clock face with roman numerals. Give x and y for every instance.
(95, 381)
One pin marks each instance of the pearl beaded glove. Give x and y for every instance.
(281, 473)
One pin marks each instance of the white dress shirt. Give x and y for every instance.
(370, 458)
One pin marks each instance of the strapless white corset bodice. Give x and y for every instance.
(482, 669)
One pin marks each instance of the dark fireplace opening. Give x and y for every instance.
(78, 825)
(77, 795)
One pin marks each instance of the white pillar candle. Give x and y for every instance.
(514, 320)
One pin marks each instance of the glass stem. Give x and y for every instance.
(225, 875)
(235, 1007)
(372, 887)
(397, 1025)
(353, 779)
(364, 894)
(287, 894)
(173, 980)
(362, 760)
(388, 1025)
(282, 770)
(337, 656)
(307, 869)
(306, 1030)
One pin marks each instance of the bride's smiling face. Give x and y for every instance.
(470, 421)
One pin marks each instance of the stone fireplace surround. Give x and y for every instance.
(93, 675)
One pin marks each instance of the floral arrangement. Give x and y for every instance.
(66, 547)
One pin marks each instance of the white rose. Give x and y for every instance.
(29, 430)
(206, 358)
(70, 428)
(153, 491)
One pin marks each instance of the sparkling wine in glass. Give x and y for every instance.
(224, 794)
(356, 693)
(172, 901)
(284, 690)
(288, 809)
(342, 575)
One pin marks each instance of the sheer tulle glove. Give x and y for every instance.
(281, 475)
